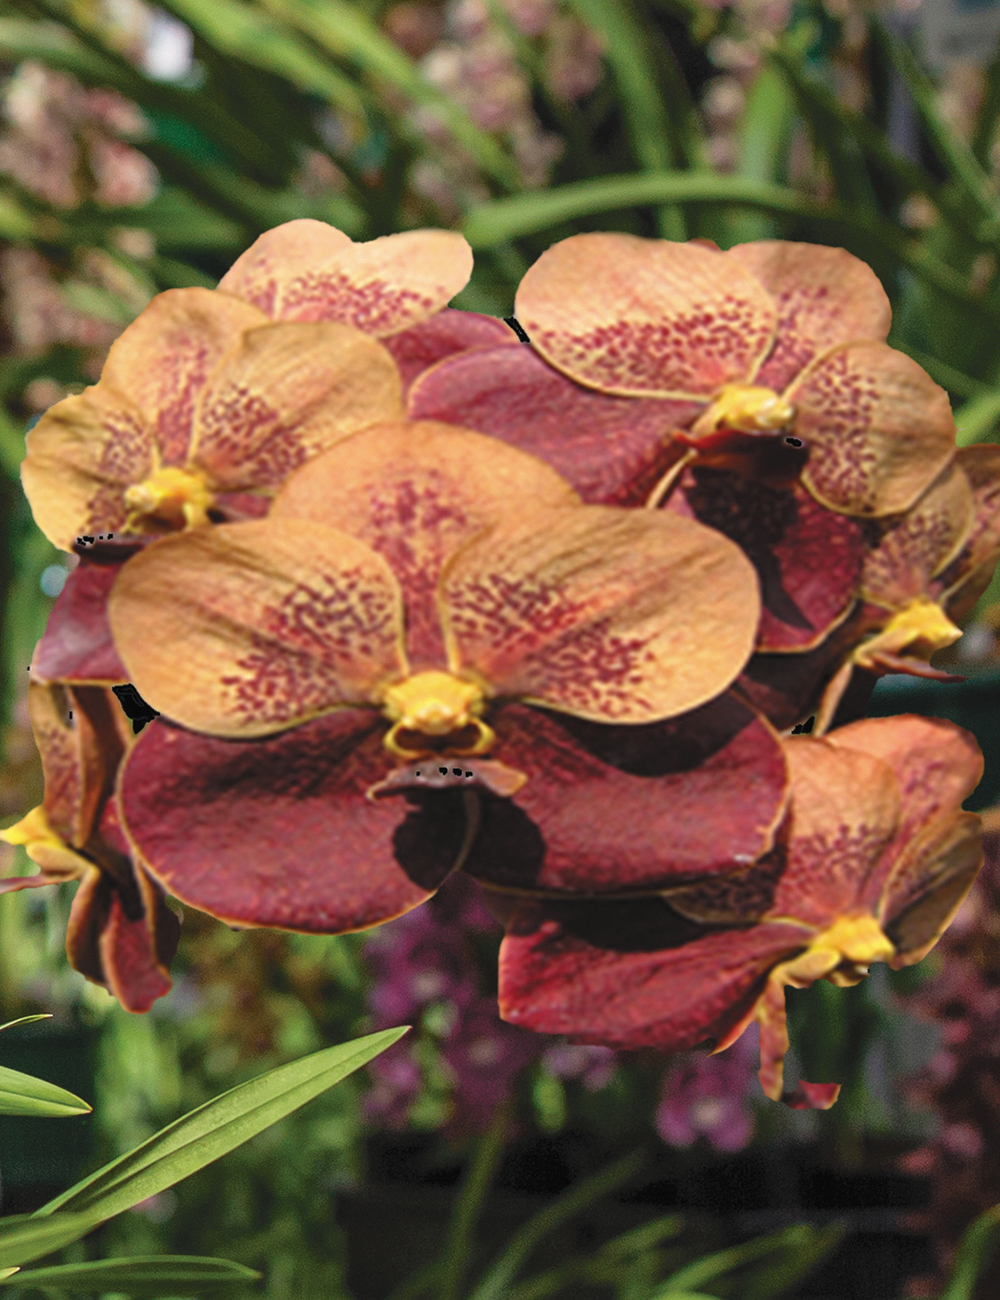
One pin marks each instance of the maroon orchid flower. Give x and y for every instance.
(121, 932)
(871, 865)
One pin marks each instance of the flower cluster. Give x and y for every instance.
(393, 594)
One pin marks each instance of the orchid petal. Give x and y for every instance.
(633, 974)
(879, 430)
(807, 558)
(76, 646)
(421, 346)
(933, 875)
(612, 449)
(82, 455)
(79, 748)
(613, 615)
(308, 271)
(244, 629)
(415, 492)
(287, 392)
(278, 832)
(645, 318)
(619, 809)
(845, 812)
(165, 356)
(128, 961)
(918, 545)
(824, 297)
(965, 580)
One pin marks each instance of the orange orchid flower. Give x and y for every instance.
(871, 865)
(203, 408)
(397, 627)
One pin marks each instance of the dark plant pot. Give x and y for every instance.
(974, 704)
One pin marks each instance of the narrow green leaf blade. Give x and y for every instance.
(23, 1094)
(975, 1251)
(26, 1020)
(23, 1237)
(205, 1134)
(141, 1275)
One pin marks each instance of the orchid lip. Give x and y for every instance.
(180, 497)
(436, 713)
(745, 408)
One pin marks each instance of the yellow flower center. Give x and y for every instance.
(747, 409)
(841, 954)
(180, 497)
(436, 713)
(920, 628)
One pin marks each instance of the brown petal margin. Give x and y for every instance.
(824, 297)
(244, 629)
(645, 318)
(612, 449)
(76, 646)
(415, 492)
(633, 974)
(619, 809)
(879, 430)
(286, 393)
(306, 270)
(279, 832)
(609, 614)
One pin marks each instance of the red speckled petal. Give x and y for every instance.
(79, 747)
(414, 492)
(845, 811)
(630, 975)
(82, 455)
(77, 645)
(967, 577)
(937, 766)
(278, 832)
(286, 393)
(305, 270)
(929, 883)
(421, 346)
(807, 558)
(879, 430)
(612, 449)
(613, 615)
(914, 547)
(645, 318)
(244, 629)
(614, 809)
(165, 356)
(824, 297)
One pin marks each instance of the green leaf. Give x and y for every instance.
(22, 1094)
(977, 420)
(975, 1251)
(243, 30)
(789, 1241)
(141, 1275)
(26, 1020)
(346, 32)
(496, 1281)
(23, 1237)
(205, 1134)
